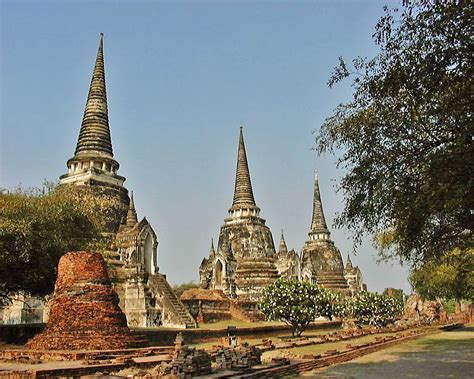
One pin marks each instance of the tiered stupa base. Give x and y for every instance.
(84, 310)
(253, 276)
(333, 281)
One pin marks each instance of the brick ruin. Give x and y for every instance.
(84, 310)
(213, 305)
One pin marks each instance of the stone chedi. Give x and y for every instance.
(288, 262)
(321, 260)
(93, 164)
(353, 277)
(244, 263)
(84, 310)
(145, 295)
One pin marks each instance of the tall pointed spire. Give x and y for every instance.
(212, 250)
(318, 223)
(243, 194)
(94, 137)
(283, 248)
(349, 262)
(132, 218)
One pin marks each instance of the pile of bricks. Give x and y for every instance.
(187, 361)
(240, 357)
(84, 310)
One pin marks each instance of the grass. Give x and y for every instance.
(238, 323)
(282, 337)
(339, 345)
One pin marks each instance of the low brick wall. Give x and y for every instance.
(161, 337)
(20, 334)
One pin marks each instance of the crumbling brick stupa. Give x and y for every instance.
(84, 310)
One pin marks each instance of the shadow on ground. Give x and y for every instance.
(446, 355)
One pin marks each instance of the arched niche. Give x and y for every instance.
(218, 273)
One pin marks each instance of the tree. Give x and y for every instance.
(296, 303)
(405, 138)
(448, 277)
(397, 293)
(180, 288)
(36, 229)
(375, 309)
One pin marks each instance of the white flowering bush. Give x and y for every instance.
(374, 309)
(297, 303)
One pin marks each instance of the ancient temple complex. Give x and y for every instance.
(145, 296)
(321, 260)
(245, 260)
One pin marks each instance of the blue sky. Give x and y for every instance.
(182, 76)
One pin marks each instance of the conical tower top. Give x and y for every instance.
(212, 250)
(94, 136)
(243, 194)
(283, 248)
(132, 218)
(349, 262)
(319, 229)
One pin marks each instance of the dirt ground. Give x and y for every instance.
(443, 355)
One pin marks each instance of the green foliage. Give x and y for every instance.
(37, 228)
(449, 305)
(405, 138)
(298, 303)
(180, 288)
(375, 309)
(449, 277)
(397, 293)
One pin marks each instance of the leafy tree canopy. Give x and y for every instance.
(299, 303)
(448, 277)
(37, 228)
(397, 293)
(180, 288)
(405, 138)
(375, 309)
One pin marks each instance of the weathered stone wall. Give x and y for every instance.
(247, 239)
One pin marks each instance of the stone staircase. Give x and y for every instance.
(157, 284)
(245, 311)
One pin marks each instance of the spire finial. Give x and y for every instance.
(94, 137)
(318, 223)
(282, 248)
(348, 262)
(212, 250)
(243, 193)
(132, 218)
